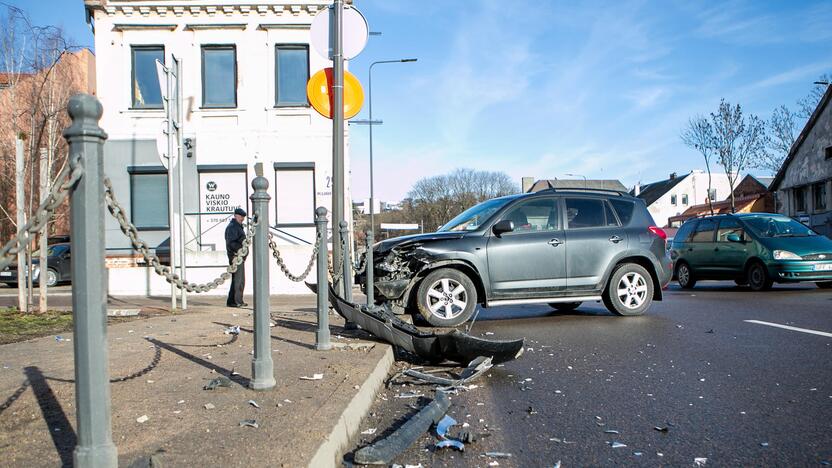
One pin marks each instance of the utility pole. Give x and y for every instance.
(43, 261)
(20, 170)
(180, 161)
(338, 186)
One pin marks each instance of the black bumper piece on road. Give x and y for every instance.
(452, 346)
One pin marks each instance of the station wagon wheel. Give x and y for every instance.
(758, 277)
(684, 275)
(446, 298)
(51, 278)
(629, 290)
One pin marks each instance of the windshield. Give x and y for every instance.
(52, 250)
(472, 218)
(777, 226)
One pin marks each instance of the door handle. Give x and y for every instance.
(615, 239)
(555, 242)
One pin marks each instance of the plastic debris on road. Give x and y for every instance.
(234, 330)
(209, 406)
(408, 395)
(253, 403)
(221, 381)
(661, 428)
(443, 425)
(249, 423)
(700, 461)
(369, 431)
(454, 444)
(142, 419)
(498, 454)
(611, 431)
(617, 444)
(314, 377)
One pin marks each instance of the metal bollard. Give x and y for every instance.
(322, 336)
(262, 365)
(346, 279)
(95, 446)
(368, 268)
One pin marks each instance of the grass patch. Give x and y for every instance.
(16, 326)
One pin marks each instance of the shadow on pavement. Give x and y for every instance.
(61, 431)
(239, 379)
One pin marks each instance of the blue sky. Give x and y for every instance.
(545, 88)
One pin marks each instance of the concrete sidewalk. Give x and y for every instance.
(159, 367)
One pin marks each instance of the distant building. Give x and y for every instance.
(379, 206)
(804, 182)
(751, 195)
(672, 196)
(545, 184)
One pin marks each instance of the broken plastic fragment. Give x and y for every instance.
(408, 395)
(249, 423)
(369, 431)
(611, 431)
(314, 377)
(700, 461)
(235, 330)
(764, 444)
(221, 381)
(451, 443)
(253, 403)
(498, 454)
(443, 425)
(661, 428)
(617, 445)
(209, 406)
(142, 419)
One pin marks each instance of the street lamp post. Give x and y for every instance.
(371, 232)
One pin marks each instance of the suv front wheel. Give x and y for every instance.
(629, 291)
(446, 298)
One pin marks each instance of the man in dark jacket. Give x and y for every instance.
(234, 237)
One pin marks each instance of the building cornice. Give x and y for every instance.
(206, 9)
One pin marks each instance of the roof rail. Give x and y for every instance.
(587, 189)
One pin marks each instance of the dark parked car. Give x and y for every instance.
(58, 267)
(559, 247)
(757, 249)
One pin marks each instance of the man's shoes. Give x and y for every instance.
(244, 304)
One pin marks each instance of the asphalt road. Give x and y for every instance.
(733, 392)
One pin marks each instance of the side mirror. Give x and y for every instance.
(504, 225)
(733, 238)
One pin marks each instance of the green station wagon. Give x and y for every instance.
(757, 249)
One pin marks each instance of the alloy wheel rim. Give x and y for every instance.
(684, 275)
(51, 278)
(632, 290)
(447, 298)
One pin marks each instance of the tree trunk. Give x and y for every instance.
(708, 195)
(22, 300)
(44, 233)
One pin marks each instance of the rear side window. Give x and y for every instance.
(684, 232)
(624, 210)
(611, 221)
(584, 213)
(704, 231)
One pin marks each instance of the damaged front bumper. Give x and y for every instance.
(452, 346)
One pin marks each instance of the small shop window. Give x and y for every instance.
(149, 198)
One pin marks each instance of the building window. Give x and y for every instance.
(673, 200)
(800, 199)
(294, 194)
(144, 81)
(219, 76)
(819, 193)
(149, 199)
(684, 199)
(291, 72)
(712, 195)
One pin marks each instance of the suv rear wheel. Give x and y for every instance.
(684, 275)
(446, 298)
(758, 278)
(629, 291)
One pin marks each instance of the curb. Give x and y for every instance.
(330, 450)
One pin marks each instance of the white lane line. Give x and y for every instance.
(804, 330)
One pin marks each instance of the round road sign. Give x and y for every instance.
(319, 93)
(355, 31)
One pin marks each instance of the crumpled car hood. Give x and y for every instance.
(386, 245)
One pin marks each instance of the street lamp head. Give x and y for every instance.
(825, 83)
(409, 60)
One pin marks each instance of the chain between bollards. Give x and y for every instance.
(262, 365)
(322, 335)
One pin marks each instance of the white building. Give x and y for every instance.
(672, 196)
(245, 67)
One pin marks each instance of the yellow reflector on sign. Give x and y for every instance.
(318, 91)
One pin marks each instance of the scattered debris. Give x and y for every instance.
(314, 377)
(254, 404)
(557, 464)
(122, 312)
(498, 454)
(455, 444)
(249, 423)
(408, 395)
(59, 338)
(353, 346)
(209, 406)
(638, 454)
(611, 431)
(700, 461)
(763, 444)
(710, 331)
(142, 419)
(383, 451)
(369, 431)
(617, 445)
(221, 381)
(443, 425)
(233, 330)
(474, 370)
(661, 428)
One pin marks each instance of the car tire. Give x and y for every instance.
(629, 290)
(565, 306)
(446, 298)
(824, 284)
(758, 277)
(51, 278)
(684, 275)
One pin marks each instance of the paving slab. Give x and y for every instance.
(159, 367)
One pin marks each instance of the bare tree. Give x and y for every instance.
(699, 136)
(737, 141)
(782, 133)
(806, 106)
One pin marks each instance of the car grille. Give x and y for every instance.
(818, 256)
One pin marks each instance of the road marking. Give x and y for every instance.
(48, 295)
(804, 330)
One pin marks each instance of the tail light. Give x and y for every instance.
(659, 232)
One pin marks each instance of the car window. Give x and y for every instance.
(584, 213)
(777, 226)
(624, 210)
(727, 227)
(611, 221)
(684, 233)
(474, 217)
(539, 214)
(704, 231)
